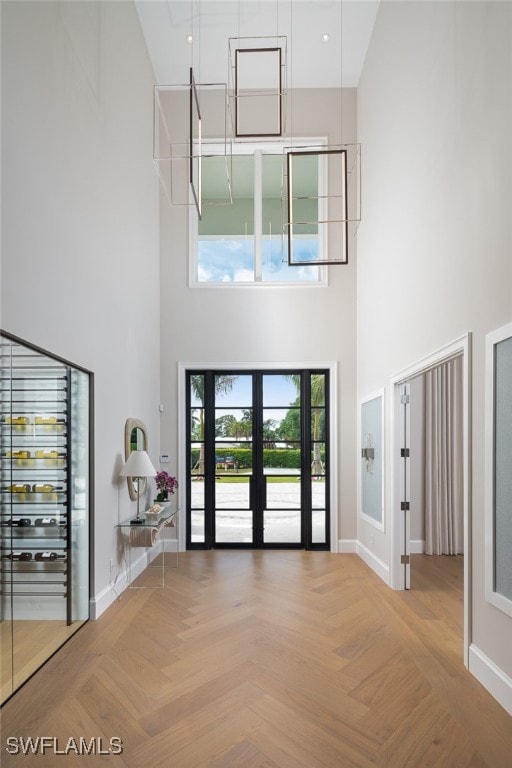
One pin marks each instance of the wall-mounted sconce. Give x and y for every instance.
(368, 453)
(372, 460)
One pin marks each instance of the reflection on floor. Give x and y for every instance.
(33, 642)
(440, 579)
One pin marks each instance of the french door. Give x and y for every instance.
(258, 459)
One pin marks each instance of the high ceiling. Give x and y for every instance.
(312, 62)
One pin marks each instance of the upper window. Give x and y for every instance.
(244, 242)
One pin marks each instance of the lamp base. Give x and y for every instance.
(137, 521)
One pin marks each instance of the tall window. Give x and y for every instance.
(245, 242)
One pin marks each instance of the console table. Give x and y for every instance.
(147, 535)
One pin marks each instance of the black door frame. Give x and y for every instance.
(258, 486)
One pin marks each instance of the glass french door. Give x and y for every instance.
(257, 459)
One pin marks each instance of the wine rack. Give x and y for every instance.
(35, 456)
(46, 444)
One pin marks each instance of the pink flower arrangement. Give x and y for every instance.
(165, 485)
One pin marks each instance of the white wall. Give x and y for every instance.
(435, 244)
(267, 324)
(80, 238)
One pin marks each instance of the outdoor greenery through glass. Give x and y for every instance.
(234, 447)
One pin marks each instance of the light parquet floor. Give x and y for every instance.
(283, 659)
(33, 642)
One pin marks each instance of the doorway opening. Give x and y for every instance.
(431, 476)
(436, 472)
(257, 458)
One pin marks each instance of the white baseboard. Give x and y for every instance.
(103, 600)
(491, 676)
(347, 545)
(417, 547)
(374, 562)
(353, 545)
(119, 583)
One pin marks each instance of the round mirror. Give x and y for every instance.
(135, 439)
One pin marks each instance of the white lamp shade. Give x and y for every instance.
(138, 464)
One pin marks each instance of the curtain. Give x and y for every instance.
(444, 509)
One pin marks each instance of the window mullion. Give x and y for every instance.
(258, 217)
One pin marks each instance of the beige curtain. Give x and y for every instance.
(444, 509)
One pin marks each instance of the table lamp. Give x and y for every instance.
(138, 465)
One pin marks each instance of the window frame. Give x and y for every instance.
(259, 149)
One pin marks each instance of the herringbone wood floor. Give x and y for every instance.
(271, 660)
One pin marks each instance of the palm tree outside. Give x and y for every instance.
(317, 411)
(223, 385)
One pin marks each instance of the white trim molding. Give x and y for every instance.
(331, 366)
(120, 580)
(491, 595)
(122, 577)
(461, 346)
(372, 561)
(100, 602)
(494, 679)
(347, 546)
(379, 524)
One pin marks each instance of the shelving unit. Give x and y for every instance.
(44, 461)
(148, 534)
(35, 443)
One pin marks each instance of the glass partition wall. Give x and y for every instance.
(45, 445)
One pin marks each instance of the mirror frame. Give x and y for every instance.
(129, 426)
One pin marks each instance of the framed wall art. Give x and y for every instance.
(498, 468)
(372, 460)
